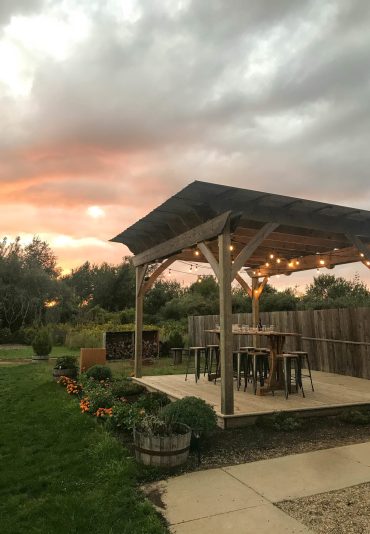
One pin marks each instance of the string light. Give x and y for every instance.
(196, 253)
(322, 262)
(362, 255)
(231, 247)
(267, 264)
(297, 262)
(278, 260)
(271, 256)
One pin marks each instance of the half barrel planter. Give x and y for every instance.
(163, 451)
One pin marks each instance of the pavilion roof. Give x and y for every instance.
(306, 228)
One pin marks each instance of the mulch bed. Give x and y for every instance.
(344, 511)
(253, 443)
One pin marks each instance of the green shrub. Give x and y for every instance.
(193, 412)
(127, 316)
(125, 416)
(153, 425)
(152, 402)
(66, 362)
(5, 335)
(176, 340)
(26, 335)
(99, 396)
(87, 338)
(356, 417)
(42, 343)
(99, 372)
(280, 422)
(126, 388)
(59, 334)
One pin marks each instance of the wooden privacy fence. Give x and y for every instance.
(338, 341)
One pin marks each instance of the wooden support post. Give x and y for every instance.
(140, 275)
(226, 342)
(255, 309)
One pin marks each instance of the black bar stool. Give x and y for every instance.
(304, 359)
(212, 356)
(290, 359)
(197, 351)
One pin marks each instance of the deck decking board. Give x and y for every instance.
(332, 391)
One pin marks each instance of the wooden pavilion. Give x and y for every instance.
(240, 231)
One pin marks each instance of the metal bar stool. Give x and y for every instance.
(241, 356)
(288, 360)
(197, 355)
(304, 356)
(212, 355)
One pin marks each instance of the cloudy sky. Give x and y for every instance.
(107, 108)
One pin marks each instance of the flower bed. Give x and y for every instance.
(127, 407)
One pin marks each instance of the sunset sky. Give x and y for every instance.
(109, 107)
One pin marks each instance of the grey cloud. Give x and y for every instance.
(9, 8)
(171, 89)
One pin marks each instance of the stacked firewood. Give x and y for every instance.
(121, 345)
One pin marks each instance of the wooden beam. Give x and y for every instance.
(244, 285)
(313, 261)
(253, 244)
(255, 309)
(207, 230)
(362, 247)
(155, 274)
(140, 274)
(261, 287)
(208, 254)
(226, 341)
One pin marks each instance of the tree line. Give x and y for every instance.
(33, 291)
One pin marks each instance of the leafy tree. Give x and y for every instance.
(162, 292)
(329, 291)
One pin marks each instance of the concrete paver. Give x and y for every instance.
(203, 494)
(358, 453)
(240, 498)
(301, 475)
(265, 519)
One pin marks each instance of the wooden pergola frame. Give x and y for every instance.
(234, 230)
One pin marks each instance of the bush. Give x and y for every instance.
(125, 416)
(42, 343)
(356, 417)
(99, 397)
(126, 388)
(66, 362)
(5, 335)
(280, 422)
(99, 372)
(88, 338)
(193, 412)
(152, 402)
(26, 335)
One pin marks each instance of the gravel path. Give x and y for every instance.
(344, 511)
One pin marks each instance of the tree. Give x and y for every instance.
(328, 291)
(162, 292)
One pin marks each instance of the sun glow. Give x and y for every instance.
(95, 212)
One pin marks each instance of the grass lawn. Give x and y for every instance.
(61, 472)
(24, 352)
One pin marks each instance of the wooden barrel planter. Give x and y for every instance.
(163, 451)
(71, 373)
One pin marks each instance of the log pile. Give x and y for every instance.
(121, 345)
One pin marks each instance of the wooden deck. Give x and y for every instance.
(332, 392)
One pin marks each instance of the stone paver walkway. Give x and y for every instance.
(241, 498)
